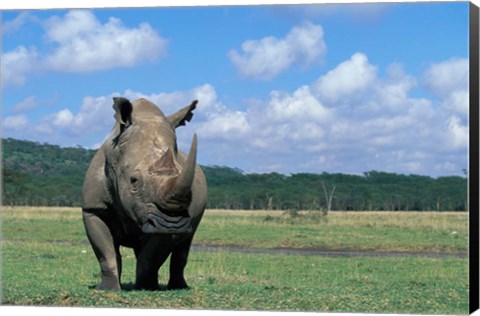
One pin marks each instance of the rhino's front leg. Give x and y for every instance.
(151, 255)
(178, 261)
(105, 249)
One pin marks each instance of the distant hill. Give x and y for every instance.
(43, 174)
(49, 175)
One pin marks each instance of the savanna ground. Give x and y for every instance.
(48, 261)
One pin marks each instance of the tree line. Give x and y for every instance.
(230, 188)
(48, 175)
(42, 174)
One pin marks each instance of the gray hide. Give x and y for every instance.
(141, 192)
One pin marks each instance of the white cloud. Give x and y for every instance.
(12, 26)
(28, 104)
(211, 118)
(266, 58)
(95, 117)
(63, 118)
(393, 91)
(448, 76)
(225, 125)
(81, 43)
(289, 123)
(384, 119)
(449, 80)
(348, 78)
(73, 24)
(458, 133)
(170, 102)
(300, 105)
(15, 122)
(386, 128)
(95, 113)
(16, 64)
(458, 102)
(84, 44)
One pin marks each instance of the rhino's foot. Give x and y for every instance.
(177, 285)
(147, 287)
(108, 286)
(147, 282)
(109, 282)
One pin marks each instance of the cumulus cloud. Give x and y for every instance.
(387, 128)
(63, 118)
(458, 101)
(15, 122)
(172, 101)
(95, 115)
(394, 90)
(449, 80)
(266, 58)
(81, 43)
(458, 133)
(445, 77)
(92, 117)
(12, 26)
(348, 78)
(226, 125)
(211, 118)
(300, 105)
(85, 44)
(16, 64)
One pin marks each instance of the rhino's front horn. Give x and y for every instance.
(185, 180)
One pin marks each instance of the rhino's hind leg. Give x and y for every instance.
(178, 261)
(106, 251)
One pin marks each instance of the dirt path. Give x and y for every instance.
(327, 252)
(323, 252)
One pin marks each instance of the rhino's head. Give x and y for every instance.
(152, 180)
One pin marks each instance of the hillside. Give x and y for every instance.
(43, 174)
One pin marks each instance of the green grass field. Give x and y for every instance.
(47, 261)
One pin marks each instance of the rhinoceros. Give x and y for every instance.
(141, 192)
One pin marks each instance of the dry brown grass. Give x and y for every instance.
(438, 220)
(441, 220)
(40, 212)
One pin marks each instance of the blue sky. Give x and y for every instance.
(305, 88)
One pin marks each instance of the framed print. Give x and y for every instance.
(222, 157)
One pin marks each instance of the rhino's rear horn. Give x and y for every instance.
(185, 180)
(165, 165)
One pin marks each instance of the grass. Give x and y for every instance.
(374, 231)
(46, 261)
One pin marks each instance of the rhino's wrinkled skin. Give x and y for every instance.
(141, 192)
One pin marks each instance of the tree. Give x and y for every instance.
(328, 196)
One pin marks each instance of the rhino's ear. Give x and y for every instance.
(123, 111)
(184, 115)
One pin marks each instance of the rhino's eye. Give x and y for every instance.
(135, 182)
